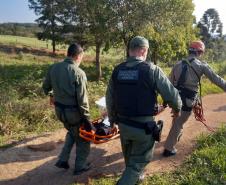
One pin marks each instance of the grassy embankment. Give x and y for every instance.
(24, 110)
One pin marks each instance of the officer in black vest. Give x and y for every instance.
(131, 98)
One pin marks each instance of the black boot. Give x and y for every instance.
(168, 153)
(62, 164)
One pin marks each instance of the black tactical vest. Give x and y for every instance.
(134, 90)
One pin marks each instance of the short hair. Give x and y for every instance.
(74, 50)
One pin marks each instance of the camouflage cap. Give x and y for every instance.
(138, 42)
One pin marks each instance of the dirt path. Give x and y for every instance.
(22, 166)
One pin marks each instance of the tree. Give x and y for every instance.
(48, 20)
(129, 18)
(211, 33)
(89, 23)
(106, 23)
(169, 29)
(97, 16)
(166, 23)
(210, 25)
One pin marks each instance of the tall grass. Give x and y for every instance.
(23, 108)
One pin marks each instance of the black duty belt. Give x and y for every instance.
(132, 123)
(63, 106)
(150, 127)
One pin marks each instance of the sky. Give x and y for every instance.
(18, 11)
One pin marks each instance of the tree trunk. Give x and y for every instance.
(54, 45)
(154, 56)
(126, 43)
(53, 28)
(98, 65)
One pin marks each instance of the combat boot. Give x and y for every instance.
(62, 164)
(168, 153)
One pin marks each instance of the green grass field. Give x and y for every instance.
(28, 42)
(18, 41)
(24, 41)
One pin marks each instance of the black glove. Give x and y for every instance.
(88, 126)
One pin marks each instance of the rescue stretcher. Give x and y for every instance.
(101, 124)
(96, 138)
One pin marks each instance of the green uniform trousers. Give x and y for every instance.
(71, 120)
(176, 130)
(137, 148)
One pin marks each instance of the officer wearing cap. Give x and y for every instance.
(131, 98)
(68, 84)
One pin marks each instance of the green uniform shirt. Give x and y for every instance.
(164, 87)
(69, 85)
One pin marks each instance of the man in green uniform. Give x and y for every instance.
(66, 83)
(185, 76)
(131, 98)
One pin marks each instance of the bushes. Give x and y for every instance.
(20, 116)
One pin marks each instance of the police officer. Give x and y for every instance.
(66, 83)
(130, 98)
(185, 76)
